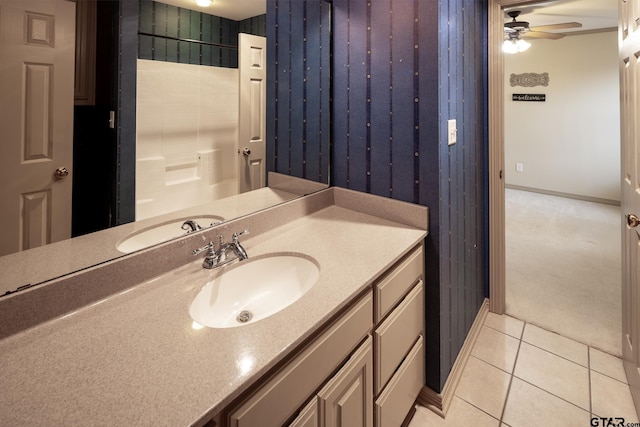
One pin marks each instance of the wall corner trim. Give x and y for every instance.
(440, 402)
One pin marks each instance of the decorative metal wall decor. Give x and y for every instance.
(529, 97)
(530, 79)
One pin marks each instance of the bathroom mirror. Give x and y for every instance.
(43, 263)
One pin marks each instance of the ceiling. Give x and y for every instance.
(592, 14)
(230, 9)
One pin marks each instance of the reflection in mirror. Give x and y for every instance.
(25, 269)
(99, 121)
(201, 100)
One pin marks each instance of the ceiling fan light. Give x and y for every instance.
(204, 3)
(509, 46)
(513, 45)
(523, 45)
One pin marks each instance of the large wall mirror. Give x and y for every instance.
(157, 131)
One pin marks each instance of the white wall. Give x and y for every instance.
(187, 124)
(570, 143)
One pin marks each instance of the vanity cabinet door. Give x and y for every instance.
(347, 399)
(280, 397)
(308, 417)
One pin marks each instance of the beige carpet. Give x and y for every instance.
(563, 267)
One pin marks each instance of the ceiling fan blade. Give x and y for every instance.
(542, 35)
(562, 26)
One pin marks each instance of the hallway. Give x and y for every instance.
(563, 267)
(554, 358)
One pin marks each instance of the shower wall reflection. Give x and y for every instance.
(187, 124)
(187, 107)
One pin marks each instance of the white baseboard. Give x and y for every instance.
(440, 402)
(566, 195)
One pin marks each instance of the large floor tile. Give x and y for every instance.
(484, 386)
(460, 413)
(612, 398)
(552, 373)
(556, 344)
(528, 405)
(505, 324)
(607, 364)
(496, 348)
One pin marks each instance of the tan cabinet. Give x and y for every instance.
(394, 403)
(398, 339)
(397, 333)
(281, 396)
(347, 400)
(309, 416)
(394, 284)
(364, 369)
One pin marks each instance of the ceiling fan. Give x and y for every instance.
(515, 29)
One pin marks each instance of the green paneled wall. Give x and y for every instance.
(173, 34)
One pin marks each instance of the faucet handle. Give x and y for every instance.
(236, 235)
(210, 247)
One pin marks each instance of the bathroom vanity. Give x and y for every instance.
(115, 344)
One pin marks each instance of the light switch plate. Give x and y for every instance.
(452, 131)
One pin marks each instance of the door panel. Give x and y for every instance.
(37, 45)
(252, 125)
(629, 54)
(347, 399)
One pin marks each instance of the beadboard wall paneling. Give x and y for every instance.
(160, 19)
(298, 88)
(401, 69)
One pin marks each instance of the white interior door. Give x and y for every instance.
(37, 50)
(252, 105)
(629, 46)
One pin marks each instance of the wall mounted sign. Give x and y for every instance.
(529, 79)
(531, 97)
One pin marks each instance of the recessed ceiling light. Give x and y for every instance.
(204, 3)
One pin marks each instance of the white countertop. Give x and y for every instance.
(134, 359)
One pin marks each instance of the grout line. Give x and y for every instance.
(590, 395)
(513, 370)
(548, 391)
(552, 394)
(609, 376)
(477, 407)
(491, 364)
(558, 355)
(502, 332)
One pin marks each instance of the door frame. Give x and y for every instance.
(495, 60)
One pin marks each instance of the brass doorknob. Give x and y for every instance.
(61, 173)
(632, 220)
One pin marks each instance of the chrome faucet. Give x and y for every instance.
(217, 258)
(190, 226)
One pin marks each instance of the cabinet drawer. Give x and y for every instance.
(279, 397)
(396, 400)
(390, 289)
(395, 336)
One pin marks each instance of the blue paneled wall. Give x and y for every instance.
(298, 90)
(401, 69)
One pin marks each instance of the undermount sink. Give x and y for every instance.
(162, 232)
(253, 289)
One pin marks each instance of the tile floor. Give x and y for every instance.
(521, 375)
